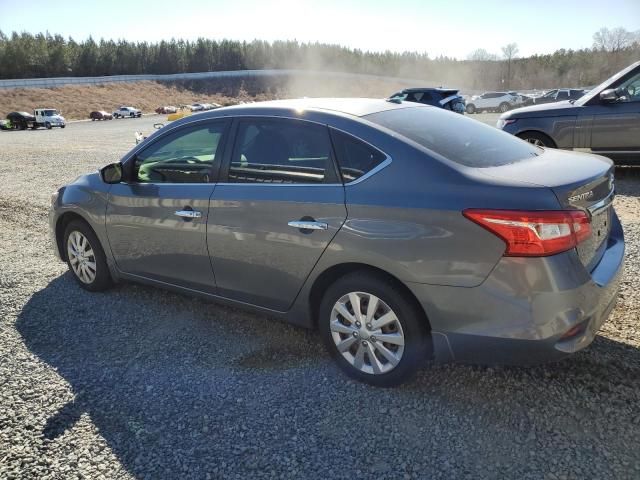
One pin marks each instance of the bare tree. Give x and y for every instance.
(510, 52)
(613, 40)
(481, 55)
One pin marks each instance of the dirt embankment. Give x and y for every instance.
(76, 101)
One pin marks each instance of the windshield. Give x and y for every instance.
(50, 113)
(455, 137)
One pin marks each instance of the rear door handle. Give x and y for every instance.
(189, 214)
(308, 225)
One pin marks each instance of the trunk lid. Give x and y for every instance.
(579, 181)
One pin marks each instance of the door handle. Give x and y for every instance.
(308, 225)
(188, 214)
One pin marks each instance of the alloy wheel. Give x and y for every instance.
(536, 141)
(81, 257)
(367, 333)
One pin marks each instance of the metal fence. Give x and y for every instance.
(59, 81)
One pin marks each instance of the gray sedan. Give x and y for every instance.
(401, 231)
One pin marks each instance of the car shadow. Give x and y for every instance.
(179, 387)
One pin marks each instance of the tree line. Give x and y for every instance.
(26, 55)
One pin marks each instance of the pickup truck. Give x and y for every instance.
(123, 112)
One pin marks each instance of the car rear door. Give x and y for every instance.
(278, 206)
(157, 220)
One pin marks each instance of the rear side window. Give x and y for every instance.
(355, 158)
(455, 137)
(281, 151)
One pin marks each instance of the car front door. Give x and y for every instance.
(157, 219)
(615, 130)
(278, 209)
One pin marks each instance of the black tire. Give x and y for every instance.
(471, 108)
(537, 138)
(47, 125)
(62, 126)
(504, 107)
(416, 333)
(102, 280)
(132, 115)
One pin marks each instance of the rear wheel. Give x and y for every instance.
(471, 108)
(374, 332)
(538, 139)
(85, 257)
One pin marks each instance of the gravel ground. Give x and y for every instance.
(141, 383)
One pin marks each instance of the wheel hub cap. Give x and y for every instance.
(81, 257)
(367, 332)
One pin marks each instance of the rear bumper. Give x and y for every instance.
(521, 313)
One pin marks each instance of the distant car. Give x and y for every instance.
(521, 99)
(166, 109)
(5, 125)
(559, 94)
(197, 107)
(491, 101)
(100, 115)
(605, 121)
(123, 112)
(21, 120)
(446, 98)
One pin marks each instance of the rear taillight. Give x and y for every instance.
(535, 233)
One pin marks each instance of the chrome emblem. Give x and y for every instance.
(582, 196)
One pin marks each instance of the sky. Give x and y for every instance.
(452, 28)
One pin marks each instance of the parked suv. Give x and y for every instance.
(446, 98)
(400, 231)
(559, 95)
(606, 120)
(494, 101)
(123, 112)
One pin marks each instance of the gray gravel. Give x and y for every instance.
(141, 383)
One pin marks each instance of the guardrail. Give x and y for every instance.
(60, 81)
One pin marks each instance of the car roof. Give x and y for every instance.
(429, 89)
(358, 107)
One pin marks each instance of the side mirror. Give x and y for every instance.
(608, 96)
(112, 173)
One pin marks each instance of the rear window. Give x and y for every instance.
(455, 137)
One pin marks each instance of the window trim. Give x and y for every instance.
(130, 162)
(232, 145)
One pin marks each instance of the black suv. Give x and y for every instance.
(447, 98)
(605, 120)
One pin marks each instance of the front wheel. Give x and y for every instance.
(48, 125)
(471, 108)
(537, 139)
(85, 257)
(503, 107)
(373, 329)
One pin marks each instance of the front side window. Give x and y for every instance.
(185, 156)
(355, 158)
(281, 151)
(629, 91)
